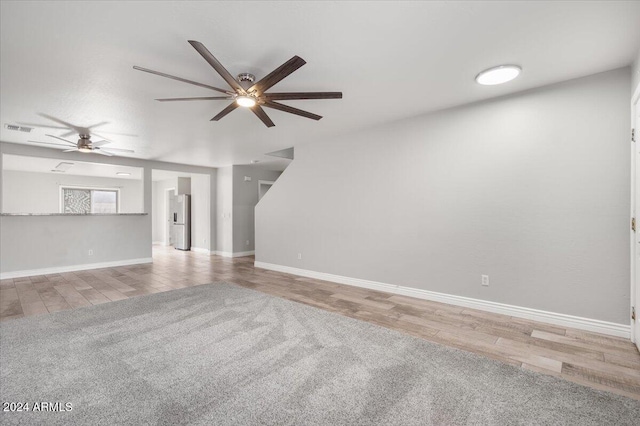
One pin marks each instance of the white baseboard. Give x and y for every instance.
(71, 268)
(236, 254)
(563, 320)
(158, 243)
(200, 250)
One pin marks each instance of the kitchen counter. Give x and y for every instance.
(73, 214)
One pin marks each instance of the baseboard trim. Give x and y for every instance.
(563, 320)
(159, 243)
(72, 268)
(200, 250)
(236, 254)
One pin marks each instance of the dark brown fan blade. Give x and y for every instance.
(208, 98)
(184, 80)
(64, 123)
(292, 110)
(226, 75)
(22, 123)
(225, 111)
(301, 95)
(258, 111)
(98, 125)
(117, 149)
(49, 143)
(63, 140)
(278, 74)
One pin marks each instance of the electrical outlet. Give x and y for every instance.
(299, 256)
(246, 243)
(90, 252)
(485, 280)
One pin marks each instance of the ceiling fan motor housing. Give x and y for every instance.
(246, 80)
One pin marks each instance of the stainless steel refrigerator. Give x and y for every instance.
(181, 225)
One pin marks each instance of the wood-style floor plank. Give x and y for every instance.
(602, 362)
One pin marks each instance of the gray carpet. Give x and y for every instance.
(219, 354)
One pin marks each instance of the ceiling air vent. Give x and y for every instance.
(18, 128)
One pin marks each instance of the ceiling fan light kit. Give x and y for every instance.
(246, 101)
(248, 94)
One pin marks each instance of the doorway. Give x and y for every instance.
(263, 187)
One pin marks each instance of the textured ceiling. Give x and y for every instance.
(74, 60)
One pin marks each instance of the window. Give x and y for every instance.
(89, 200)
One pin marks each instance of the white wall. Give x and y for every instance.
(245, 198)
(224, 205)
(531, 189)
(200, 212)
(159, 219)
(29, 192)
(32, 243)
(635, 73)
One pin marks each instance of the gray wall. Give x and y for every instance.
(224, 204)
(37, 242)
(245, 198)
(28, 192)
(531, 189)
(125, 237)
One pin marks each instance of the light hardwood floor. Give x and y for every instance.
(592, 359)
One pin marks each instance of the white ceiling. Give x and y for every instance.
(45, 165)
(74, 60)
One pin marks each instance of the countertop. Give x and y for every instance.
(73, 214)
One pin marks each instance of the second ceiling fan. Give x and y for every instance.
(246, 92)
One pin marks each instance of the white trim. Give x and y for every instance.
(236, 254)
(604, 327)
(71, 268)
(159, 243)
(200, 250)
(635, 286)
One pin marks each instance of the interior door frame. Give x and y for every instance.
(635, 164)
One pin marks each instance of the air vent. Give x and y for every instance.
(18, 128)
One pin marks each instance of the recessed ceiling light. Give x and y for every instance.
(246, 101)
(255, 161)
(123, 174)
(498, 75)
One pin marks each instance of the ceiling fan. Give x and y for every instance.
(246, 93)
(85, 145)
